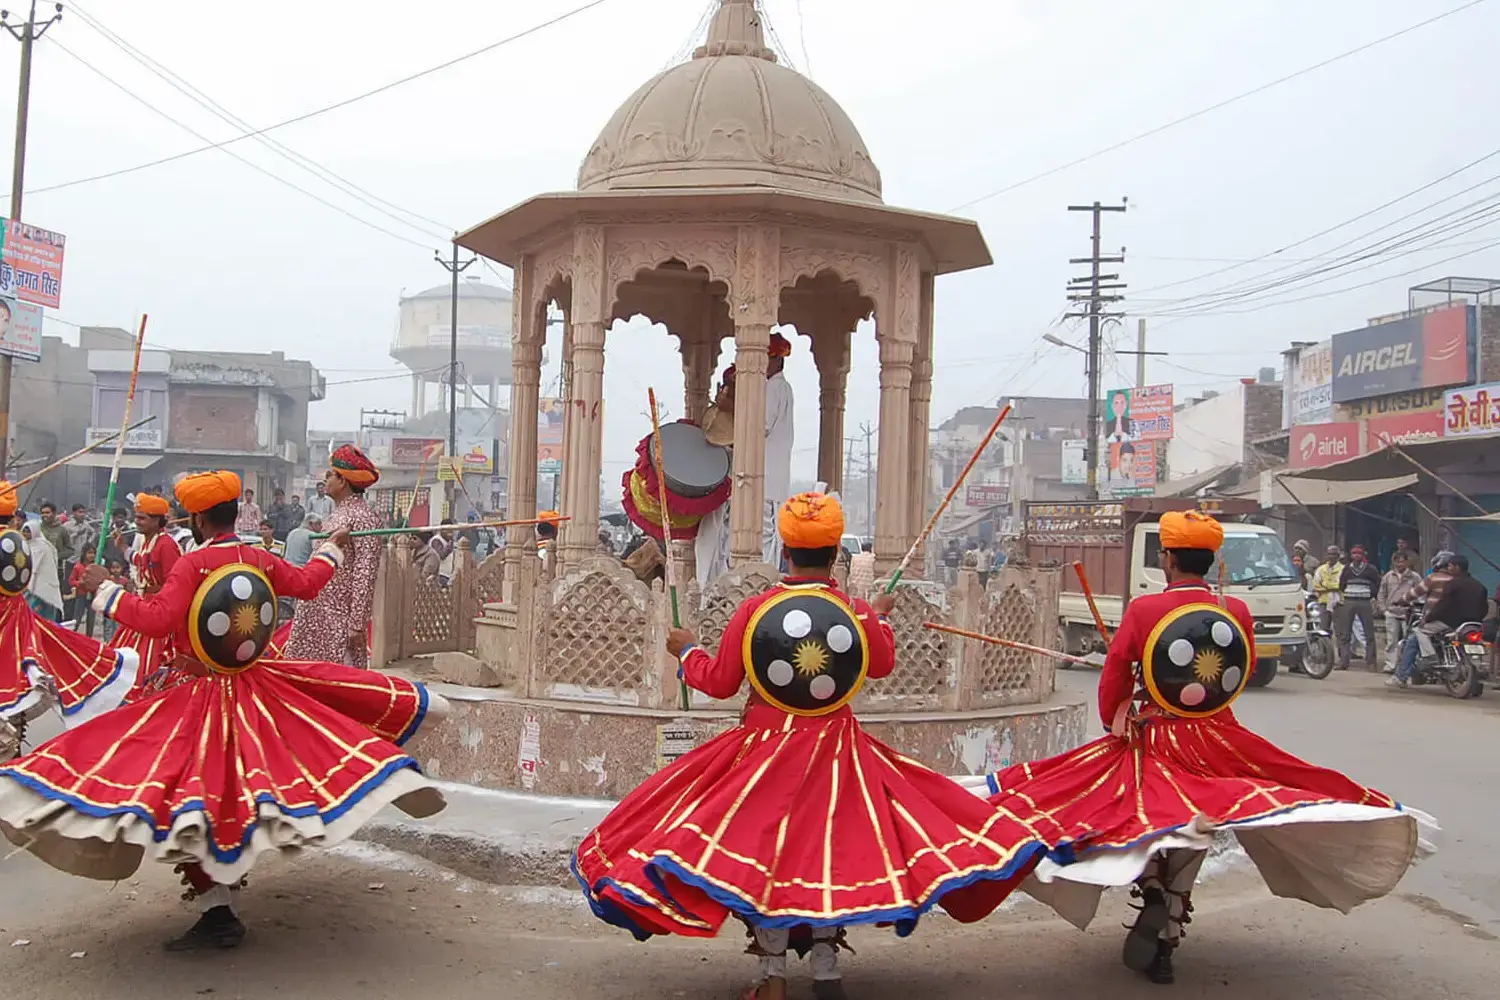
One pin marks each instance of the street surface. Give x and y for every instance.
(365, 923)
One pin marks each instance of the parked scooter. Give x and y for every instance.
(1461, 660)
(1319, 657)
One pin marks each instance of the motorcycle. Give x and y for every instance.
(1460, 662)
(1321, 654)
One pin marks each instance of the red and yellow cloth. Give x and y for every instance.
(788, 821)
(219, 768)
(89, 678)
(354, 467)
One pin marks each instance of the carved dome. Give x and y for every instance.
(732, 117)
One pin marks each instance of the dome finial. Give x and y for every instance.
(736, 31)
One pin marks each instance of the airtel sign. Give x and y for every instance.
(1313, 446)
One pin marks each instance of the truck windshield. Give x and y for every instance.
(1255, 559)
(1250, 559)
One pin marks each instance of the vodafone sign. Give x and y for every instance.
(1313, 446)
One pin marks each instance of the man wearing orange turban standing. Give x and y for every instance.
(153, 553)
(334, 626)
(798, 822)
(1141, 805)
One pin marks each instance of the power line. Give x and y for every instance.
(337, 105)
(318, 170)
(1215, 107)
(229, 152)
(1347, 222)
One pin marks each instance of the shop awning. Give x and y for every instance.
(1190, 485)
(105, 458)
(1313, 492)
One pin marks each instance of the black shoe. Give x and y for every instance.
(217, 928)
(829, 989)
(1141, 943)
(1160, 969)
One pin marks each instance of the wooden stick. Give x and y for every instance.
(427, 528)
(91, 446)
(114, 470)
(952, 492)
(1088, 595)
(1025, 647)
(666, 531)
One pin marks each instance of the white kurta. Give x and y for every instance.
(711, 549)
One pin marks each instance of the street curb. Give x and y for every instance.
(477, 857)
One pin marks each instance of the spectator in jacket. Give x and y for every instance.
(1326, 578)
(1463, 600)
(1398, 590)
(1358, 584)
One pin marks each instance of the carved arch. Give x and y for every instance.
(628, 256)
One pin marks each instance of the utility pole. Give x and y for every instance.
(1140, 353)
(1091, 289)
(454, 268)
(26, 34)
(869, 432)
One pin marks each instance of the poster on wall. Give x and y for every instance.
(1130, 469)
(20, 329)
(1075, 470)
(1312, 385)
(549, 435)
(31, 263)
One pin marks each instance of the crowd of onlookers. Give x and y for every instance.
(1357, 594)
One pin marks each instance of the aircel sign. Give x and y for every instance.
(1425, 351)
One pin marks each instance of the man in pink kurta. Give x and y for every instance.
(334, 626)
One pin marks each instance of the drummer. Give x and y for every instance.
(713, 542)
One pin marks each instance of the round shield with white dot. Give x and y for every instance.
(15, 564)
(232, 618)
(805, 651)
(1197, 660)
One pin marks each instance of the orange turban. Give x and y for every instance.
(203, 490)
(1190, 529)
(551, 517)
(811, 521)
(150, 503)
(780, 346)
(352, 465)
(8, 501)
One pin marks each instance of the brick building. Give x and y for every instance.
(214, 409)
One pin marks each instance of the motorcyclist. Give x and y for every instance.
(1462, 599)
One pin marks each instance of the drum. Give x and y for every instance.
(1196, 661)
(693, 467)
(232, 618)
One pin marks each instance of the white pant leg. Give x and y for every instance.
(773, 942)
(825, 954)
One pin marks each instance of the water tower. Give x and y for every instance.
(423, 341)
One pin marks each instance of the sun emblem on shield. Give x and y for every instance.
(810, 658)
(246, 619)
(1208, 665)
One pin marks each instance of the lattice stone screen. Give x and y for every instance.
(1020, 603)
(926, 662)
(594, 635)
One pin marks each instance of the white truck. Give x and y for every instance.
(1119, 544)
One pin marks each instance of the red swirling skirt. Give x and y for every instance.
(89, 678)
(788, 821)
(217, 769)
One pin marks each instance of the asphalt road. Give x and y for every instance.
(364, 923)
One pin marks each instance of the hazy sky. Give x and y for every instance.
(955, 98)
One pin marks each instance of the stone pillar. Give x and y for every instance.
(896, 329)
(830, 351)
(751, 342)
(569, 424)
(526, 377)
(754, 301)
(699, 355)
(921, 422)
(585, 396)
